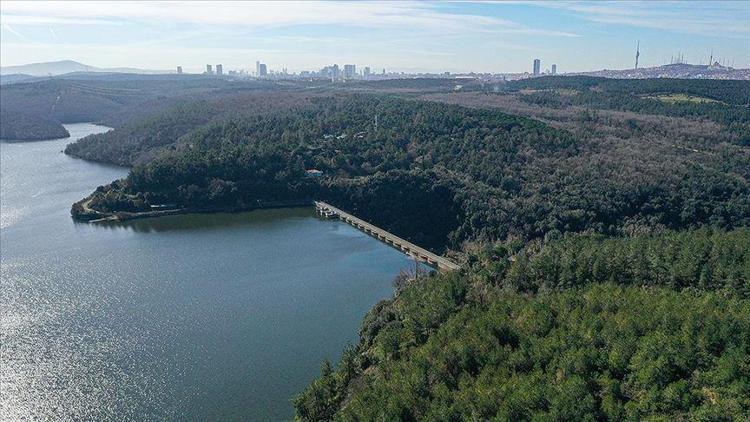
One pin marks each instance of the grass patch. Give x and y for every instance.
(681, 98)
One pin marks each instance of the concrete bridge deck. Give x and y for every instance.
(420, 254)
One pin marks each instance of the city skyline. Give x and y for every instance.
(403, 36)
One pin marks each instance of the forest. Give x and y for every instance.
(726, 102)
(601, 225)
(667, 338)
(24, 127)
(116, 99)
(478, 175)
(110, 99)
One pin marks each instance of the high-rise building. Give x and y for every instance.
(367, 71)
(209, 70)
(257, 68)
(179, 70)
(262, 69)
(554, 69)
(219, 69)
(350, 71)
(335, 73)
(537, 67)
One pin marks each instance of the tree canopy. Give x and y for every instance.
(656, 341)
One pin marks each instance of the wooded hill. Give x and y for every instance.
(674, 345)
(602, 227)
(491, 175)
(725, 102)
(22, 127)
(110, 99)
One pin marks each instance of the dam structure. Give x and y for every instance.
(410, 249)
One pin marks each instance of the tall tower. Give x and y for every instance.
(537, 67)
(637, 53)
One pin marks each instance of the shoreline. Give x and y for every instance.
(94, 216)
(100, 217)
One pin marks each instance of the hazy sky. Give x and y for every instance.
(408, 36)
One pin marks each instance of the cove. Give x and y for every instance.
(205, 316)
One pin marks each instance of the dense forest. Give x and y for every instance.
(602, 228)
(728, 91)
(726, 102)
(665, 338)
(491, 175)
(138, 140)
(116, 99)
(24, 127)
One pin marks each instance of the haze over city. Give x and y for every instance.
(399, 36)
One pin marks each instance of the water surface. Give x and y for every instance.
(222, 316)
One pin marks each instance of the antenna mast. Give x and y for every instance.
(637, 53)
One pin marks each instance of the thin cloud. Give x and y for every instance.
(711, 18)
(6, 26)
(411, 15)
(35, 20)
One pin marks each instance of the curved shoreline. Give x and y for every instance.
(90, 215)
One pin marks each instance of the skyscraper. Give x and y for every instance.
(257, 68)
(537, 67)
(179, 70)
(554, 69)
(262, 69)
(219, 69)
(367, 71)
(350, 71)
(209, 70)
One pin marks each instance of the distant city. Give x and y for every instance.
(333, 72)
(677, 68)
(349, 72)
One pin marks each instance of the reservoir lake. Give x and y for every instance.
(187, 317)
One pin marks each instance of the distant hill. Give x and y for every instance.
(67, 66)
(12, 78)
(109, 98)
(677, 70)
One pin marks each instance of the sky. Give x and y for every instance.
(420, 36)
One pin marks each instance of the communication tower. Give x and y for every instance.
(637, 53)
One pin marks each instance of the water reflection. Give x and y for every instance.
(214, 221)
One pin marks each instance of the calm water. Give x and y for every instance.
(185, 317)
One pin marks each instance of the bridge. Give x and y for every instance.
(414, 251)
